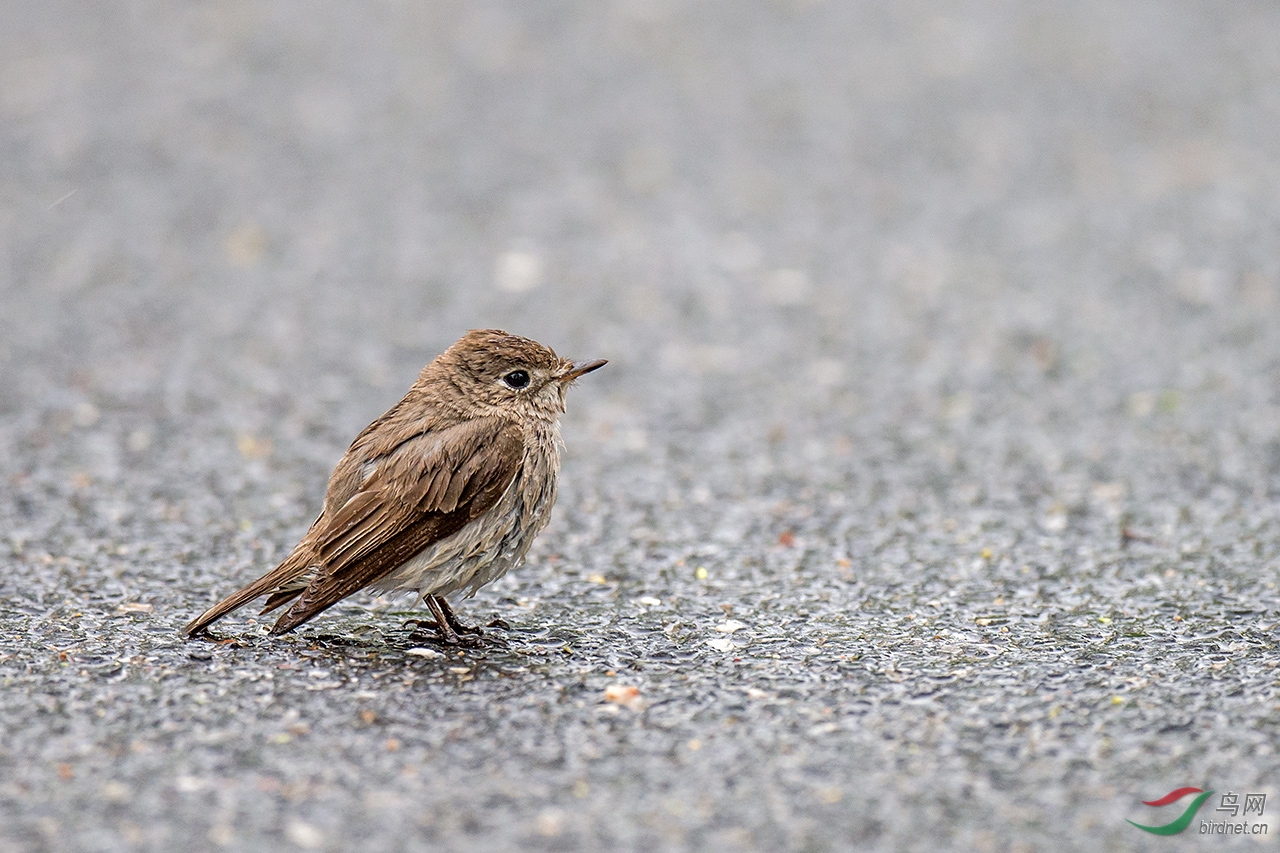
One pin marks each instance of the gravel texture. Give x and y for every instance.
(930, 500)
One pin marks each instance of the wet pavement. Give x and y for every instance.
(930, 499)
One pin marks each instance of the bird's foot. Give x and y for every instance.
(428, 631)
(423, 629)
(449, 629)
(441, 608)
(466, 641)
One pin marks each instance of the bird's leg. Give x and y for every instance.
(444, 616)
(442, 626)
(447, 625)
(451, 618)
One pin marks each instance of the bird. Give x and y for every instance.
(442, 493)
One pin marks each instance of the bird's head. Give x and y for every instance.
(492, 372)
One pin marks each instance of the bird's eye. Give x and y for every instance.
(516, 378)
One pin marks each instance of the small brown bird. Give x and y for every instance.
(445, 491)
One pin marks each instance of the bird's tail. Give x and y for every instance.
(275, 582)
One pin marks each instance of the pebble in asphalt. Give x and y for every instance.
(929, 501)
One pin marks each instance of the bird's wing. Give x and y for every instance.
(429, 488)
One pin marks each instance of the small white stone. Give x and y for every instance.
(826, 372)
(1055, 520)
(134, 607)
(139, 440)
(787, 287)
(550, 823)
(305, 835)
(85, 414)
(116, 792)
(422, 652)
(729, 626)
(1141, 404)
(723, 644)
(518, 271)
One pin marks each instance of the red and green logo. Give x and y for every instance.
(1184, 819)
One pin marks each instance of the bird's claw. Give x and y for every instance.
(451, 631)
(464, 636)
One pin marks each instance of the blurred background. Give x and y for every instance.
(901, 300)
(766, 214)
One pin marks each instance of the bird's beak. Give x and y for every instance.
(580, 368)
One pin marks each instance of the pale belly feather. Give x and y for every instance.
(488, 547)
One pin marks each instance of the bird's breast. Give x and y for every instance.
(487, 547)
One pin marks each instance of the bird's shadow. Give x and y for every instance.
(406, 643)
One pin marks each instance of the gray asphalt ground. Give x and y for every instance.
(931, 498)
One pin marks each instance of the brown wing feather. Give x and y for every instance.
(426, 489)
(464, 475)
(278, 599)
